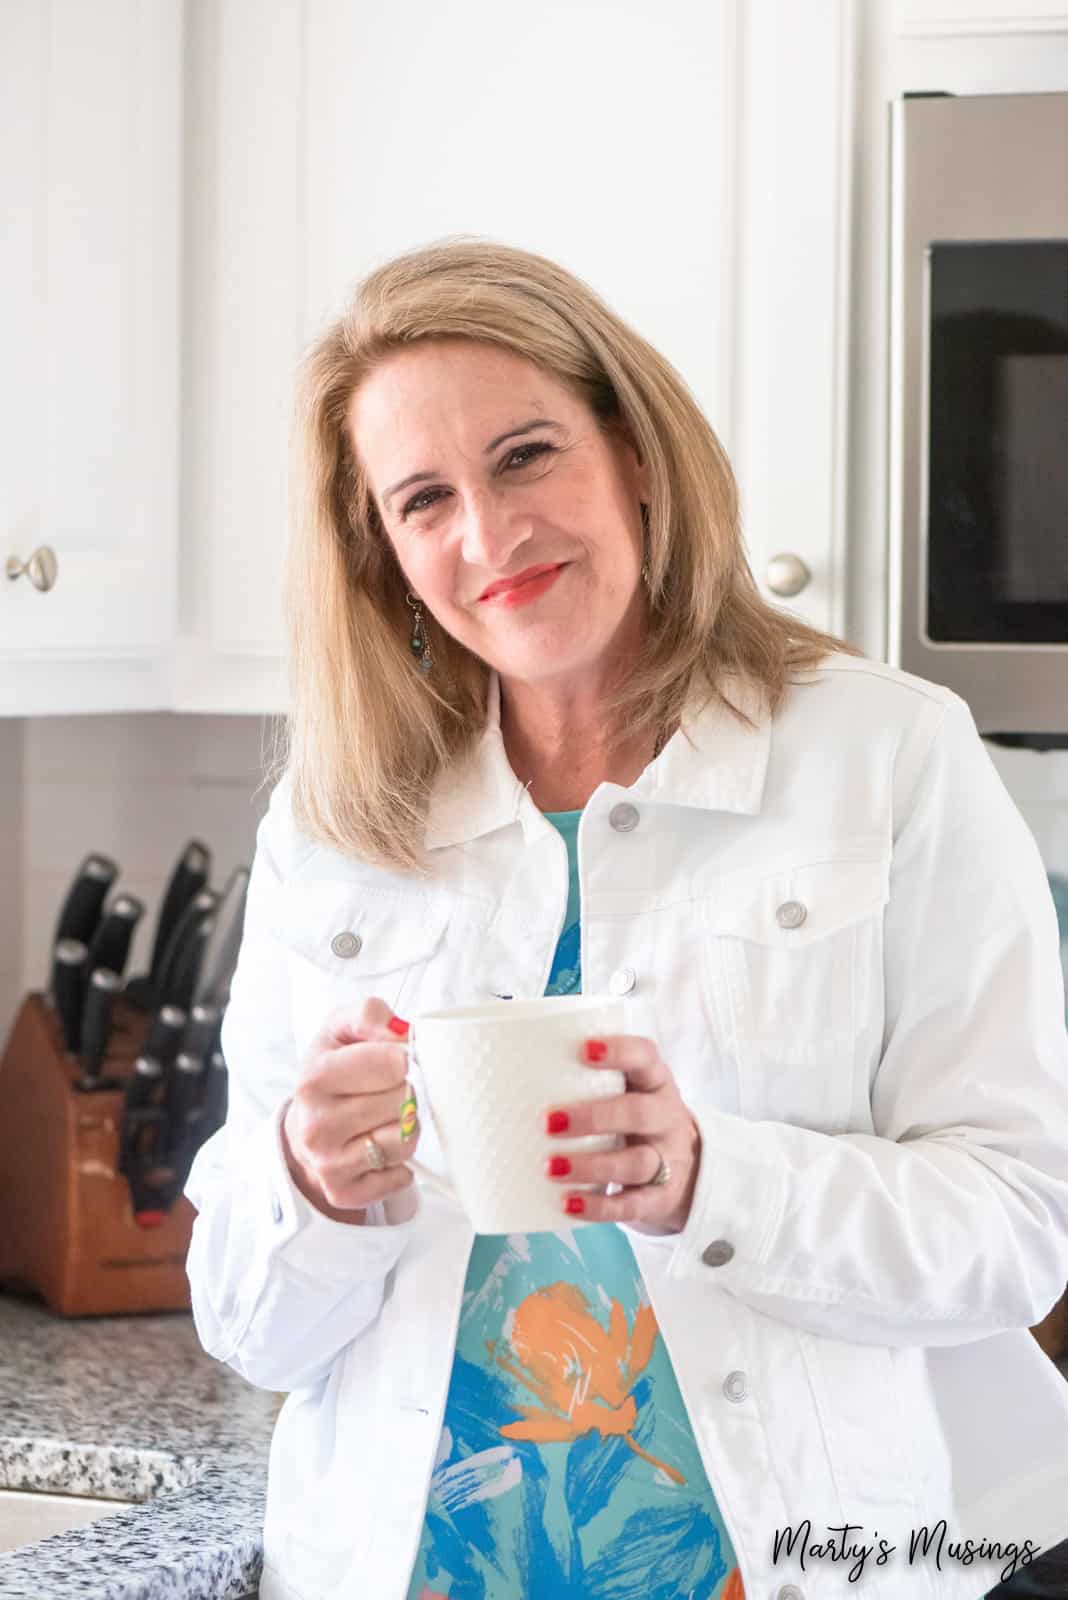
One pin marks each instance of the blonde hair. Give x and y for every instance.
(367, 733)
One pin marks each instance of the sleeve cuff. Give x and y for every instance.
(738, 1199)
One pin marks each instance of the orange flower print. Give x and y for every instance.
(580, 1372)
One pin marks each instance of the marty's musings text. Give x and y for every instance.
(847, 1542)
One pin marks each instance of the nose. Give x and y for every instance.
(491, 533)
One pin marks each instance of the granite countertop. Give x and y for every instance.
(131, 1408)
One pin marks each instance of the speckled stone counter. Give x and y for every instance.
(131, 1408)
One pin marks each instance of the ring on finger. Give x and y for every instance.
(662, 1174)
(376, 1158)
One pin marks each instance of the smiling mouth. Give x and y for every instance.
(514, 587)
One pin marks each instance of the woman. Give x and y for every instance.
(799, 1337)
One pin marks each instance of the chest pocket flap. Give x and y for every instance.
(351, 930)
(791, 907)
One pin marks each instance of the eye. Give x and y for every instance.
(427, 497)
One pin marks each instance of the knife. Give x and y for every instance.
(189, 877)
(68, 988)
(182, 978)
(201, 1035)
(165, 1034)
(214, 1104)
(182, 1090)
(150, 1176)
(81, 909)
(185, 929)
(104, 985)
(220, 952)
(110, 944)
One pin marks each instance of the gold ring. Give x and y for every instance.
(662, 1174)
(375, 1158)
(409, 1113)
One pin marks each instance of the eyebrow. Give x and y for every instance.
(524, 427)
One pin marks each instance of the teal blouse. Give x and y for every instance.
(566, 1465)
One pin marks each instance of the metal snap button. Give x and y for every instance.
(789, 1591)
(623, 817)
(346, 944)
(276, 1208)
(622, 981)
(718, 1253)
(791, 914)
(735, 1386)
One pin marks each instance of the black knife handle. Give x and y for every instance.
(165, 1033)
(216, 1095)
(104, 986)
(201, 1034)
(184, 1084)
(81, 909)
(68, 986)
(142, 1138)
(185, 928)
(141, 1087)
(189, 877)
(182, 980)
(110, 944)
(221, 951)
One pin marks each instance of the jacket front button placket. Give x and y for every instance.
(717, 1254)
(346, 944)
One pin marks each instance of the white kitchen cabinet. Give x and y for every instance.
(90, 125)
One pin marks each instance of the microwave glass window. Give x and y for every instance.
(997, 447)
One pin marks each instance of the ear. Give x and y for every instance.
(642, 476)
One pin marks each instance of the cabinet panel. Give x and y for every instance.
(89, 158)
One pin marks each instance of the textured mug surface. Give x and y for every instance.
(491, 1072)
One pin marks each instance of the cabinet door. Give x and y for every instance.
(89, 426)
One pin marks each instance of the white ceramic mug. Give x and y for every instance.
(490, 1073)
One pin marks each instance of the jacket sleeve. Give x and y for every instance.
(950, 1222)
(278, 1289)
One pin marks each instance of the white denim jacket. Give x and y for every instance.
(881, 1086)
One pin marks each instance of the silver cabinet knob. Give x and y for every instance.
(787, 574)
(41, 568)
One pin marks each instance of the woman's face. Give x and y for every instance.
(511, 471)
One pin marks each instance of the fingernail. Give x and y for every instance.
(398, 1025)
(575, 1205)
(557, 1122)
(596, 1049)
(559, 1166)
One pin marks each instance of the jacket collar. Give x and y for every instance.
(723, 770)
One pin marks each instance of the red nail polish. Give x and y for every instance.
(559, 1166)
(596, 1049)
(575, 1206)
(398, 1025)
(557, 1122)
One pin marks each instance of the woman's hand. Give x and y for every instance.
(351, 1091)
(656, 1123)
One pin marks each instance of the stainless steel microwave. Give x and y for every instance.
(978, 513)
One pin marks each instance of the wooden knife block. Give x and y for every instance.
(67, 1228)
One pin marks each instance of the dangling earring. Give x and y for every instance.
(419, 643)
(645, 525)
